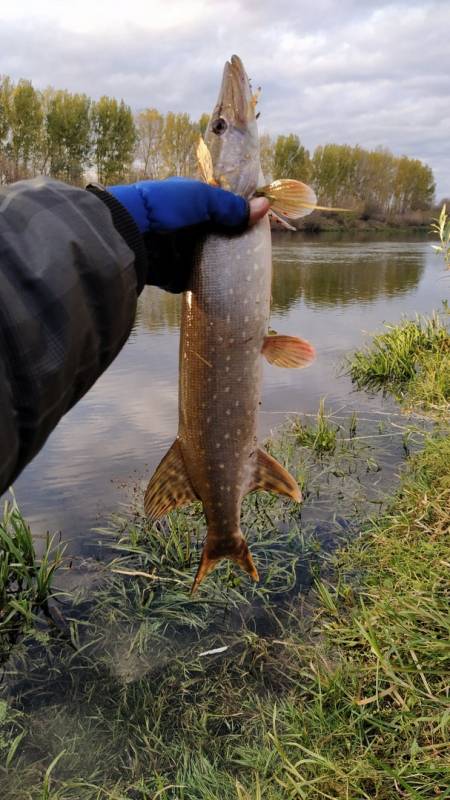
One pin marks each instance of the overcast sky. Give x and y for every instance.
(345, 71)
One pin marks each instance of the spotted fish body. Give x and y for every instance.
(224, 333)
(224, 322)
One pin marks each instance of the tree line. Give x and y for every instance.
(69, 136)
(342, 175)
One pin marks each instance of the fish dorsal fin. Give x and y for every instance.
(205, 164)
(288, 351)
(272, 477)
(169, 487)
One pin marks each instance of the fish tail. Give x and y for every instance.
(216, 549)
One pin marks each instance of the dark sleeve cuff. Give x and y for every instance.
(127, 228)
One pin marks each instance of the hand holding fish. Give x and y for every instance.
(173, 214)
(177, 203)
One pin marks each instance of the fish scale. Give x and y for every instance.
(215, 457)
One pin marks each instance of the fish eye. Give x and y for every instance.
(219, 126)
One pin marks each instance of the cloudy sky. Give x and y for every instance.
(346, 71)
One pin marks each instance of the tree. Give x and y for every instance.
(414, 185)
(114, 137)
(378, 187)
(6, 89)
(5, 100)
(203, 123)
(291, 159)
(266, 151)
(336, 173)
(150, 128)
(179, 144)
(25, 117)
(68, 135)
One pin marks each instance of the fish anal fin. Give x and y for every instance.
(169, 487)
(217, 549)
(271, 476)
(288, 351)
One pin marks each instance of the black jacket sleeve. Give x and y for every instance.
(68, 292)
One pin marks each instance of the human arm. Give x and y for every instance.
(68, 293)
(70, 273)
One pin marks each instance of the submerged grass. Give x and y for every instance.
(322, 437)
(411, 360)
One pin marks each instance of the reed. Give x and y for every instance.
(441, 226)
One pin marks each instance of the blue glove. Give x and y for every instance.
(174, 203)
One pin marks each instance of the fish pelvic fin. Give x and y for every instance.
(271, 476)
(288, 351)
(169, 487)
(216, 549)
(277, 220)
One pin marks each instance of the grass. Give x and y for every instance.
(322, 437)
(410, 360)
(25, 580)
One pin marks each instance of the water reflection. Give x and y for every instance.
(158, 310)
(327, 275)
(321, 274)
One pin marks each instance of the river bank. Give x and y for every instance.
(357, 221)
(329, 679)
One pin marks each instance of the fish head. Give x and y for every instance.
(232, 133)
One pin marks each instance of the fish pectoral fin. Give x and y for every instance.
(169, 487)
(234, 548)
(290, 198)
(273, 477)
(288, 351)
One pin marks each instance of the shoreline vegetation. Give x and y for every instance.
(358, 222)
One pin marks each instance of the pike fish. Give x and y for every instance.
(224, 337)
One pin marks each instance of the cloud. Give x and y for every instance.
(373, 73)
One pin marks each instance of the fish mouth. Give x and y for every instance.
(235, 100)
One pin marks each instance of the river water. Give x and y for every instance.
(332, 290)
